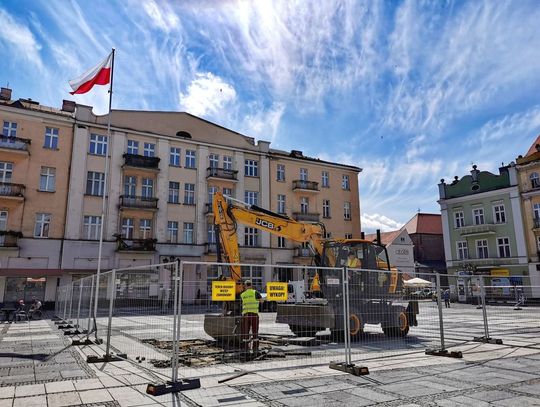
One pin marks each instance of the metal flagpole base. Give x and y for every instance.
(483, 339)
(351, 369)
(173, 387)
(119, 357)
(444, 352)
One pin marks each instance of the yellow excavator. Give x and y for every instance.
(375, 296)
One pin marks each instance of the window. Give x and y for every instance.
(281, 204)
(174, 192)
(47, 179)
(347, 211)
(6, 171)
(145, 228)
(535, 180)
(188, 232)
(43, 222)
(227, 162)
(174, 157)
(536, 212)
(303, 174)
(228, 192)
(503, 244)
(133, 147)
(478, 216)
(130, 186)
(345, 182)
(251, 237)
(325, 180)
(462, 250)
(51, 138)
(147, 188)
(251, 197)
(127, 228)
(348, 235)
(326, 208)
(254, 273)
(190, 159)
(189, 194)
(459, 219)
(9, 129)
(327, 235)
(482, 249)
(149, 150)
(211, 191)
(211, 233)
(172, 232)
(251, 168)
(95, 183)
(280, 172)
(538, 243)
(304, 204)
(498, 214)
(281, 242)
(98, 144)
(213, 160)
(92, 227)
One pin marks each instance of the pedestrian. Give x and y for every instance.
(250, 316)
(446, 298)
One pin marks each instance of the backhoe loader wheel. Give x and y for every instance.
(357, 327)
(399, 331)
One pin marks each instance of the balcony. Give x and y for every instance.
(135, 245)
(536, 223)
(208, 209)
(9, 238)
(15, 143)
(210, 248)
(490, 261)
(140, 161)
(221, 173)
(302, 252)
(486, 229)
(306, 217)
(138, 202)
(305, 186)
(12, 191)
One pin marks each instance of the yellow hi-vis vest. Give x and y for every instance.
(354, 263)
(249, 302)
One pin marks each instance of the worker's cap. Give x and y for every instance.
(247, 282)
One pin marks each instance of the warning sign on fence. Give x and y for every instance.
(276, 291)
(223, 290)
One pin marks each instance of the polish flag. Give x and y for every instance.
(98, 75)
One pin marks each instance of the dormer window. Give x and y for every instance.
(535, 180)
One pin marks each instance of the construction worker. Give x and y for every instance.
(353, 261)
(250, 315)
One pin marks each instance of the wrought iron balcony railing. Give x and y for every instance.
(135, 245)
(140, 161)
(210, 248)
(9, 238)
(9, 189)
(214, 172)
(140, 202)
(15, 143)
(306, 217)
(299, 184)
(302, 252)
(208, 209)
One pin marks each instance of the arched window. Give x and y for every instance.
(535, 180)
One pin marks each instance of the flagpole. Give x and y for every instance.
(103, 203)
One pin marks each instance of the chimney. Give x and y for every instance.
(68, 106)
(5, 94)
(442, 189)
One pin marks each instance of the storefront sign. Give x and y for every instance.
(223, 290)
(276, 291)
(500, 273)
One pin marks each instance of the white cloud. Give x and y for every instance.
(207, 95)
(20, 39)
(371, 222)
(162, 16)
(263, 123)
(518, 125)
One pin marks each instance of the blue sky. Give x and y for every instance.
(411, 91)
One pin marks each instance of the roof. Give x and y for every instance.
(386, 237)
(425, 223)
(533, 148)
(533, 154)
(29, 104)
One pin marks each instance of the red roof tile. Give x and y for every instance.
(386, 237)
(425, 223)
(533, 149)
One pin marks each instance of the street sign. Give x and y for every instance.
(223, 290)
(276, 291)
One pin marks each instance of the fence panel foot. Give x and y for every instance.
(444, 352)
(349, 368)
(173, 387)
(86, 342)
(484, 339)
(120, 357)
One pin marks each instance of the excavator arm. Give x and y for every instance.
(227, 216)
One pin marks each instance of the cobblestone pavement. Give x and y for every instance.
(38, 368)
